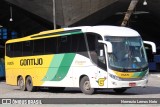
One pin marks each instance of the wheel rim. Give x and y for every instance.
(21, 83)
(87, 85)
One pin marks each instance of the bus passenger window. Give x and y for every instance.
(38, 47)
(51, 45)
(27, 48)
(17, 49)
(92, 40)
(78, 43)
(9, 50)
(64, 44)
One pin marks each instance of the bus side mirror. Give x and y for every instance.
(153, 45)
(108, 44)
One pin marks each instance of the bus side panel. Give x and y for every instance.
(83, 66)
(59, 70)
(73, 66)
(59, 73)
(10, 72)
(34, 66)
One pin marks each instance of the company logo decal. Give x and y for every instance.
(33, 61)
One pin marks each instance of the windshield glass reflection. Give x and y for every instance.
(128, 53)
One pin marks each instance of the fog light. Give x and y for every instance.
(114, 83)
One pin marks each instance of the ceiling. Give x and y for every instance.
(26, 23)
(22, 22)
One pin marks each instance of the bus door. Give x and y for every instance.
(102, 66)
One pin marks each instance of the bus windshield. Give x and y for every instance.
(128, 53)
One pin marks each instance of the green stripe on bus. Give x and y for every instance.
(143, 73)
(139, 74)
(64, 67)
(53, 68)
(71, 33)
(136, 75)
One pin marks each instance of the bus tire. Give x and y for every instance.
(120, 90)
(85, 86)
(29, 84)
(21, 84)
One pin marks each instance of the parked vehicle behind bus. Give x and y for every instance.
(2, 72)
(88, 57)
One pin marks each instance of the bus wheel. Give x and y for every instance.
(21, 84)
(29, 84)
(120, 90)
(85, 86)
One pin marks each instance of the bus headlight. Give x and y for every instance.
(114, 77)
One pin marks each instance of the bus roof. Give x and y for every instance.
(109, 30)
(102, 30)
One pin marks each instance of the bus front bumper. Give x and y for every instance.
(122, 84)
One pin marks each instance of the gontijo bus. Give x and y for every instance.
(88, 57)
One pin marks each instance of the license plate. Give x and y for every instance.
(132, 84)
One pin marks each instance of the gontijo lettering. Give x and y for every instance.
(33, 61)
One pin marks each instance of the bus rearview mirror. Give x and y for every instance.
(108, 44)
(153, 45)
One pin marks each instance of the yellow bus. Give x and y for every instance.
(88, 57)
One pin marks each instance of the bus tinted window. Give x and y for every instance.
(38, 47)
(17, 49)
(64, 44)
(55, 45)
(91, 42)
(78, 43)
(51, 45)
(27, 48)
(9, 50)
